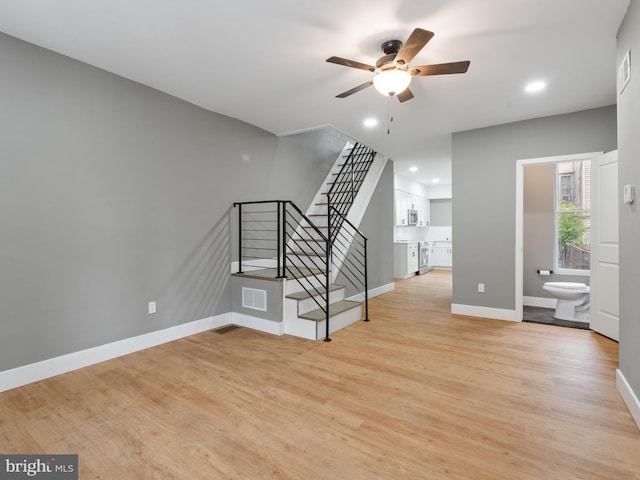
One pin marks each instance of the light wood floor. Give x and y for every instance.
(415, 394)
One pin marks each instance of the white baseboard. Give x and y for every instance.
(484, 312)
(255, 323)
(629, 397)
(542, 302)
(374, 292)
(35, 372)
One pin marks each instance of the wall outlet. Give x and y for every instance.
(152, 307)
(481, 288)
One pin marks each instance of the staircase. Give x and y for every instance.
(310, 251)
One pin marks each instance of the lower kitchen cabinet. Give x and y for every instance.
(405, 259)
(443, 255)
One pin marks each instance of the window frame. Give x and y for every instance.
(557, 212)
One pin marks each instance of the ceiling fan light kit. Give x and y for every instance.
(392, 82)
(393, 74)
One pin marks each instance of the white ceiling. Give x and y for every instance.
(263, 61)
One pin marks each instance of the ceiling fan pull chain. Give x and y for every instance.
(389, 117)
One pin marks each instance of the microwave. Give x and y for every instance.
(412, 217)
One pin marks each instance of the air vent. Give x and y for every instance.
(254, 299)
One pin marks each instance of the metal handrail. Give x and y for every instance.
(289, 221)
(352, 255)
(357, 264)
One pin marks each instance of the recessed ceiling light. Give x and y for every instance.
(535, 87)
(413, 169)
(370, 122)
(435, 180)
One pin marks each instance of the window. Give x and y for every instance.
(566, 186)
(573, 216)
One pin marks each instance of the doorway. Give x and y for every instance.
(520, 264)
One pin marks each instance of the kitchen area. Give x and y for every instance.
(422, 232)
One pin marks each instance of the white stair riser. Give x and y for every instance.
(338, 322)
(320, 220)
(292, 285)
(306, 261)
(303, 328)
(308, 304)
(310, 248)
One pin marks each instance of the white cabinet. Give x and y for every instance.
(404, 202)
(424, 211)
(405, 259)
(443, 255)
(402, 207)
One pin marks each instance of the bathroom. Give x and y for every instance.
(556, 274)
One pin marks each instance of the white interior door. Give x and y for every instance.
(604, 311)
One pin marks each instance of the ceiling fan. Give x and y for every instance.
(393, 73)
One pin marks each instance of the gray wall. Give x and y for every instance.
(112, 195)
(441, 212)
(484, 189)
(629, 173)
(538, 227)
(377, 226)
(303, 160)
(539, 231)
(274, 294)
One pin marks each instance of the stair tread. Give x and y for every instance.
(303, 295)
(308, 240)
(318, 315)
(308, 254)
(272, 273)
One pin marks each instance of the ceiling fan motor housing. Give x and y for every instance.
(391, 46)
(386, 62)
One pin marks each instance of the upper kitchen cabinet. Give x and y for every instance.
(402, 208)
(424, 211)
(406, 202)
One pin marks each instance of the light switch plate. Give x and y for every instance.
(629, 193)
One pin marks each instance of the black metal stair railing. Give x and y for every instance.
(348, 244)
(349, 257)
(277, 240)
(346, 185)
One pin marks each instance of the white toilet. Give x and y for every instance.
(573, 300)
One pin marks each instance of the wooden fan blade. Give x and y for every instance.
(355, 89)
(440, 69)
(405, 95)
(351, 63)
(413, 45)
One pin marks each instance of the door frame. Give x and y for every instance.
(520, 164)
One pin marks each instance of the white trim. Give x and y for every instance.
(485, 312)
(256, 264)
(34, 372)
(543, 302)
(374, 292)
(255, 323)
(629, 397)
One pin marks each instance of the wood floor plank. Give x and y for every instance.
(417, 393)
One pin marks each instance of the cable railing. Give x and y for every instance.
(349, 179)
(349, 257)
(276, 239)
(348, 244)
